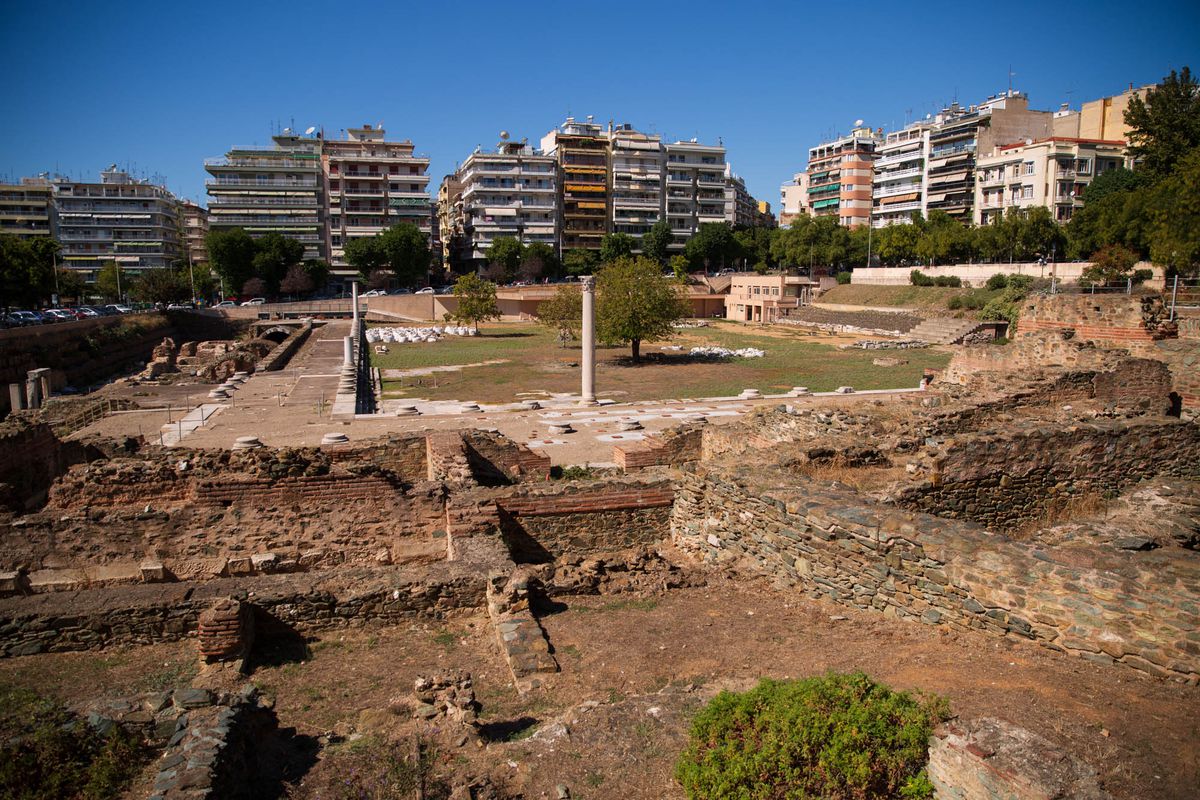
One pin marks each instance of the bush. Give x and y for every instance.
(1140, 276)
(918, 278)
(997, 281)
(836, 737)
(955, 303)
(843, 278)
(948, 280)
(1020, 282)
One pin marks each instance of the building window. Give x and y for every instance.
(1084, 166)
(1028, 167)
(1026, 192)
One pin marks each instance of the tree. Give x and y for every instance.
(476, 301)
(255, 287)
(636, 303)
(1111, 264)
(402, 249)
(538, 261)
(657, 241)
(1118, 218)
(896, 245)
(754, 244)
(70, 284)
(296, 282)
(1112, 182)
(366, 255)
(679, 265)
(713, 245)
(275, 255)
(160, 285)
(111, 282)
(1037, 234)
(581, 262)
(201, 277)
(1173, 208)
(231, 253)
(1165, 125)
(563, 312)
(616, 245)
(504, 257)
(26, 269)
(379, 279)
(317, 270)
(943, 238)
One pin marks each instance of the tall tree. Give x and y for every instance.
(1165, 125)
(563, 312)
(896, 245)
(231, 253)
(1111, 182)
(26, 270)
(636, 303)
(713, 246)
(943, 239)
(161, 285)
(317, 270)
(538, 261)
(407, 251)
(581, 262)
(754, 245)
(111, 281)
(657, 241)
(296, 282)
(1174, 217)
(70, 284)
(476, 300)
(504, 257)
(275, 255)
(616, 245)
(366, 255)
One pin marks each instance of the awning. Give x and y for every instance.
(899, 198)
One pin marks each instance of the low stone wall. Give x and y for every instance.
(494, 457)
(31, 457)
(1119, 320)
(1142, 610)
(1011, 477)
(136, 615)
(977, 274)
(671, 447)
(278, 358)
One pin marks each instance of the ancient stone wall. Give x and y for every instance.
(31, 457)
(496, 458)
(1129, 321)
(1140, 609)
(671, 447)
(278, 358)
(1010, 477)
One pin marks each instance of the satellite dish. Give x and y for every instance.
(309, 131)
(504, 135)
(858, 123)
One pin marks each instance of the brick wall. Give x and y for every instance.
(671, 447)
(1104, 606)
(495, 458)
(31, 457)
(1121, 320)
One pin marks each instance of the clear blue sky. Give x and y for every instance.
(160, 86)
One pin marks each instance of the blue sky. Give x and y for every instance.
(161, 86)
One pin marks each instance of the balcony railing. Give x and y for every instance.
(272, 163)
(882, 177)
(237, 183)
(910, 155)
(907, 188)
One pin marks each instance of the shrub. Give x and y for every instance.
(836, 737)
(948, 280)
(955, 303)
(918, 278)
(997, 281)
(1140, 276)
(843, 278)
(1020, 282)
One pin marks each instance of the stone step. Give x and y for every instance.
(943, 330)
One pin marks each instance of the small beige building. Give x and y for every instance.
(765, 298)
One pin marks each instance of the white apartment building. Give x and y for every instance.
(121, 220)
(509, 192)
(1051, 172)
(637, 163)
(793, 199)
(695, 188)
(898, 184)
(370, 185)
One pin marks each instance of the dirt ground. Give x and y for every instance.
(646, 663)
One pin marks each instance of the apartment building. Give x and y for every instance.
(581, 150)
(194, 222)
(451, 235)
(370, 184)
(638, 197)
(898, 184)
(26, 208)
(275, 189)
(511, 192)
(1051, 172)
(765, 219)
(695, 187)
(840, 176)
(793, 199)
(960, 134)
(741, 208)
(120, 219)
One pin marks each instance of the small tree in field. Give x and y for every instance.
(563, 312)
(476, 301)
(636, 303)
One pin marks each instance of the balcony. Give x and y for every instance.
(889, 191)
(899, 158)
(234, 183)
(894, 175)
(305, 165)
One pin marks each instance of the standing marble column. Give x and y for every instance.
(354, 305)
(589, 340)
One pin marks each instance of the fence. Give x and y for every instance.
(1184, 295)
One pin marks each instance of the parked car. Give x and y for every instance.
(256, 301)
(180, 307)
(58, 315)
(87, 312)
(28, 317)
(426, 290)
(122, 309)
(375, 293)
(226, 304)
(400, 291)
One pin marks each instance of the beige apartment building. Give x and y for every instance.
(793, 199)
(1050, 172)
(765, 298)
(371, 184)
(898, 189)
(25, 208)
(194, 220)
(638, 199)
(840, 176)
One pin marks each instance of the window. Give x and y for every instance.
(1084, 165)
(1028, 167)
(1026, 192)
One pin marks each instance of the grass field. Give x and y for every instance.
(928, 297)
(535, 365)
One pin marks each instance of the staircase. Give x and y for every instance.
(943, 330)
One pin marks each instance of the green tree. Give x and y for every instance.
(1165, 125)
(1111, 264)
(402, 249)
(679, 265)
(755, 247)
(26, 269)
(317, 270)
(1112, 182)
(111, 281)
(944, 239)
(162, 285)
(296, 282)
(366, 254)
(275, 255)
(896, 245)
(581, 262)
(476, 300)
(563, 312)
(616, 245)
(538, 261)
(504, 257)
(636, 303)
(1118, 218)
(70, 284)
(231, 253)
(657, 241)
(713, 246)
(1174, 217)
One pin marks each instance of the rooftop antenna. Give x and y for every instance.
(1010, 77)
(310, 130)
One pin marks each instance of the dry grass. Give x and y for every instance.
(840, 469)
(1076, 507)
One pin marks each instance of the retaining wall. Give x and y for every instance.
(977, 274)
